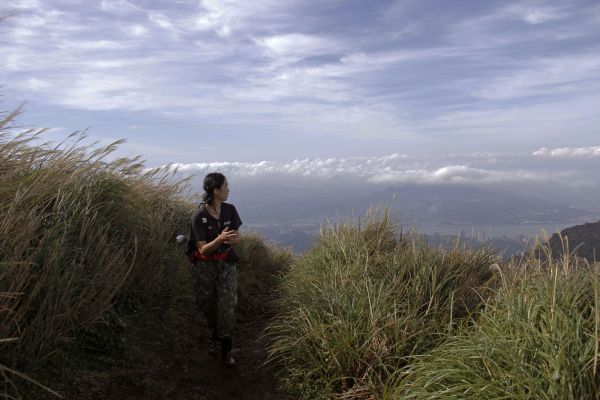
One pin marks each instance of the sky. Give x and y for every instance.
(407, 91)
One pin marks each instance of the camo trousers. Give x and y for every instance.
(216, 294)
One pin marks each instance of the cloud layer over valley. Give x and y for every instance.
(471, 169)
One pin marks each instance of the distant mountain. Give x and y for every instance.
(583, 239)
(416, 204)
(504, 247)
(462, 204)
(300, 239)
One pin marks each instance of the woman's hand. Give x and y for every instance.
(234, 240)
(228, 236)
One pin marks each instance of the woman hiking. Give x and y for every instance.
(213, 235)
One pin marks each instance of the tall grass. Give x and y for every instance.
(260, 266)
(79, 232)
(363, 300)
(537, 338)
(369, 313)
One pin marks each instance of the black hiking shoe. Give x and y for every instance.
(213, 347)
(226, 356)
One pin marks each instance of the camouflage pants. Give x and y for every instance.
(216, 293)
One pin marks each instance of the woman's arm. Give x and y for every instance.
(226, 236)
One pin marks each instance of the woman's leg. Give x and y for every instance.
(206, 279)
(227, 299)
(226, 305)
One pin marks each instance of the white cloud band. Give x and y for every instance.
(568, 152)
(394, 168)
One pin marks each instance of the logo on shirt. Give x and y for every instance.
(204, 220)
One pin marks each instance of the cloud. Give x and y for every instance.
(501, 71)
(118, 6)
(535, 14)
(569, 152)
(165, 23)
(25, 4)
(149, 150)
(394, 168)
(522, 125)
(296, 45)
(94, 45)
(35, 84)
(136, 30)
(105, 91)
(575, 73)
(456, 174)
(227, 16)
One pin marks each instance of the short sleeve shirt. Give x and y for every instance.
(205, 228)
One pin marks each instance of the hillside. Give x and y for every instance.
(584, 240)
(96, 297)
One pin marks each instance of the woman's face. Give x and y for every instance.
(222, 193)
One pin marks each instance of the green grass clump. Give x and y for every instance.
(363, 300)
(537, 338)
(79, 234)
(260, 265)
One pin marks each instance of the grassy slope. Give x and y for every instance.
(369, 313)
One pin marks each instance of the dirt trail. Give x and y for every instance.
(162, 368)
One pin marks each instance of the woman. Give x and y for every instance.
(213, 235)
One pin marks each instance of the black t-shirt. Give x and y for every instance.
(205, 228)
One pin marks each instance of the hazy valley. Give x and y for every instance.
(292, 216)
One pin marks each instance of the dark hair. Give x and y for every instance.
(212, 181)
